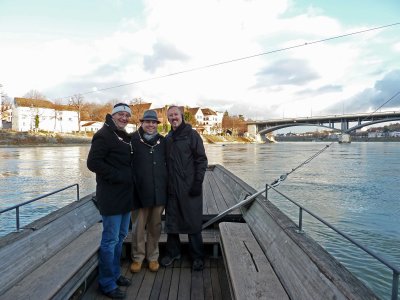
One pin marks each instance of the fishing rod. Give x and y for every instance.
(280, 179)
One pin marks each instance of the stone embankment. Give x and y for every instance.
(12, 138)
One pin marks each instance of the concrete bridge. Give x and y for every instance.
(340, 123)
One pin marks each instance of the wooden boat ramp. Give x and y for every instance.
(253, 252)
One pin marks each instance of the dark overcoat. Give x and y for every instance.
(187, 162)
(149, 170)
(110, 157)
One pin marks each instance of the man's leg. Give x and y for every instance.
(123, 232)
(108, 245)
(138, 249)
(153, 232)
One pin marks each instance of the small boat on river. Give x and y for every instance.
(254, 251)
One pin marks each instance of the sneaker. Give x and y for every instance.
(197, 265)
(136, 267)
(123, 281)
(168, 260)
(154, 266)
(115, 294)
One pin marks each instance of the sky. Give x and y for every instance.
(261, 59)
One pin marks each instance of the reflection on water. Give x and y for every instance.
(354, 187)
(27, 173)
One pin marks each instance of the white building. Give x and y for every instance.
(43, 115)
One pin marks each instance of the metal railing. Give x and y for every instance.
(395, 269)
(17, 206)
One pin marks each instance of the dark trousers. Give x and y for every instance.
(195, 245)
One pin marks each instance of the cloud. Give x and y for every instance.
(286, 72)
(372, 98)
(321, 90)
(162, 52)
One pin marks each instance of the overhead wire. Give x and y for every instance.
(236, 59)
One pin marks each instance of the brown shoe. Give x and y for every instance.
(154, 266)
(136, 267)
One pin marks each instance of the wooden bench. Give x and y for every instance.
(50, 258)
(249, 271)
(303, 267)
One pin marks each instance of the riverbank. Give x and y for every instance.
(12, 138)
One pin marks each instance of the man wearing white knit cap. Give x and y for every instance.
(110, 157)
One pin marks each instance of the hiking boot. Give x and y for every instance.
(168, 260)
(198, 265)
(136, 267)
(153, 266)
(123, 281)
(115, 294)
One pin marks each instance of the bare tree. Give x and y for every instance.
(76, 101)
(34, 94)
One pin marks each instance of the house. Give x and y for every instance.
(91, 126)
(35, 114)
(197, 114)
(212, 121)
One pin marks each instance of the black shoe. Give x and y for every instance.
(115, 294)
(198, 265)
(123, 281)
(168, 260)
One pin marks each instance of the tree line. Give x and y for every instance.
(90, 111)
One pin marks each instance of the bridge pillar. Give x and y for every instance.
(252, 130)
(344, 138)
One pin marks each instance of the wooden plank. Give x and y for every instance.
(250, 273)
(44, 282)
(210, 236)
(185, 279)
(209, 197)
(156, 289)
(207, 283)
(147, 285)
(17, 258)
(223, 280)
(165, 287)
(197, 286)
(137, 280)
(174, 286)
(305, 269)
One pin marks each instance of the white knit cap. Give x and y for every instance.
(121, 107)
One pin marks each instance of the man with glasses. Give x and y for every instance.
(110, 157)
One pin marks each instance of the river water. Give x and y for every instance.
(355, 187)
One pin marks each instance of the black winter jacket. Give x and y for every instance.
(187, 163)
(110, 157)
(149, 170)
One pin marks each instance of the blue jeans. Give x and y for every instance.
(115, 229)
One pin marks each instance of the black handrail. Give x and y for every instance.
(17, 206)
(395, 269)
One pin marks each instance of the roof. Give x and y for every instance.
(41, 103)
(27, 102)
(208, 112)
(193, 110)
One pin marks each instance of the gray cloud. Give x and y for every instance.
(162, 52)
(286, 72)
(321, 90)
(372, 98)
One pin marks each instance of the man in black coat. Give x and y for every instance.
(150, 174)
(187, 163)
(110, 157)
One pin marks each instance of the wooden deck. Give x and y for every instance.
(179, 282)
(175, 282)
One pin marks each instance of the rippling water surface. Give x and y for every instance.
(355, 187)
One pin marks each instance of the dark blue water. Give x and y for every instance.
(355, 187)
